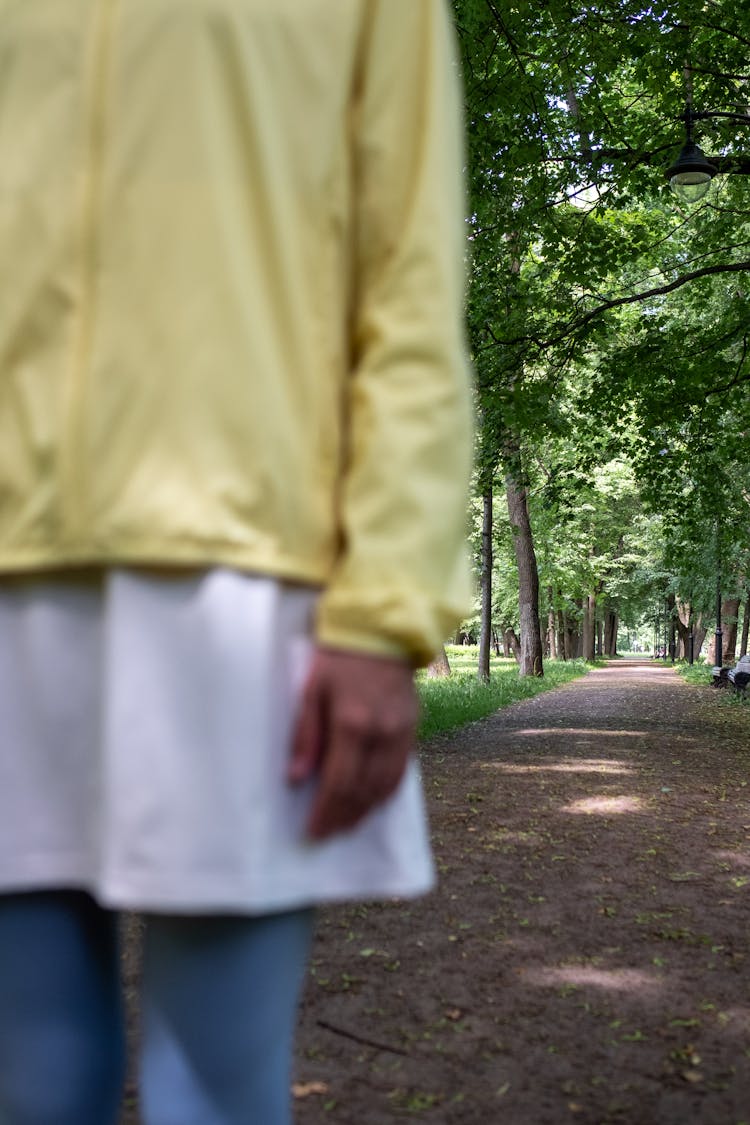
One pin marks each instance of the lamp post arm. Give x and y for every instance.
(731, 165)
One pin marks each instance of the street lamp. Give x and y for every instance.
(690, 176)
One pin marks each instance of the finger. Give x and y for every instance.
(385, 767)
(341, 799)
(384, 770)
(309, 733)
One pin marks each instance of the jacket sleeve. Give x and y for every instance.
(401, 581)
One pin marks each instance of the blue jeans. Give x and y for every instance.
(219, 1002)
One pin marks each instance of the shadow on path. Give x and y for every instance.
(584, 958)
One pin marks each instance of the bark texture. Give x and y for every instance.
(485, 632)
(611, 626)
(729, 614)
(589, 628)
(440, 666)
(563, 639)
(530, 663)
(729, 610)
(512, 644)
(551, 635)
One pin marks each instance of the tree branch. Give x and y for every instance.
(575, 326)
(738, 378)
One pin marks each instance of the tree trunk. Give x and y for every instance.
(745, 627)
(589, 628)
(611, 625)
(512, 644)
(530, 663)
(673, 638)
(576, 637)
(551, 636)
(485, 632)
(562, 635)
(729, 610)
(729, 614)
(682, 623)
(699, 634)
(439, 667)
(671, 627)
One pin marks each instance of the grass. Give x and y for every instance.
(698, 673)
(461, 698)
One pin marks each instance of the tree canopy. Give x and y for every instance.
(608, 322)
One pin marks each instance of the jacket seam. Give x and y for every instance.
(73, 493)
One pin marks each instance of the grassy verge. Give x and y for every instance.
(698, 673)
(461, 698)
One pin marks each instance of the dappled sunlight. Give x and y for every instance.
(604, 806)
(508, 836)
(614, 980)
(583, 736)
(566, 765)
(579, 732)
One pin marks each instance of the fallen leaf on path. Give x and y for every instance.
(307, 1089)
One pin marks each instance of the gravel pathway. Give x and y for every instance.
(585, 956)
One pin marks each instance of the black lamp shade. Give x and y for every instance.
(691, 176)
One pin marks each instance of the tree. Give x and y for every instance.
(607, 322)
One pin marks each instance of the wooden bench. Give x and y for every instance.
(739, 677)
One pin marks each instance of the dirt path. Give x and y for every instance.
(585, 958)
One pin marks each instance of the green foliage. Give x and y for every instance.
(608, 323)
(572, 115)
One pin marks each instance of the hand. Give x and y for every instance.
(356, 731)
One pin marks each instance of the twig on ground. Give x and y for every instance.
(361, 1039)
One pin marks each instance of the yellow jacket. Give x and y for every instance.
(231, 274)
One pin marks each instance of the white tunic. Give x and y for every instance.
(144, 735)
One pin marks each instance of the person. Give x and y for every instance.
(235, 440)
